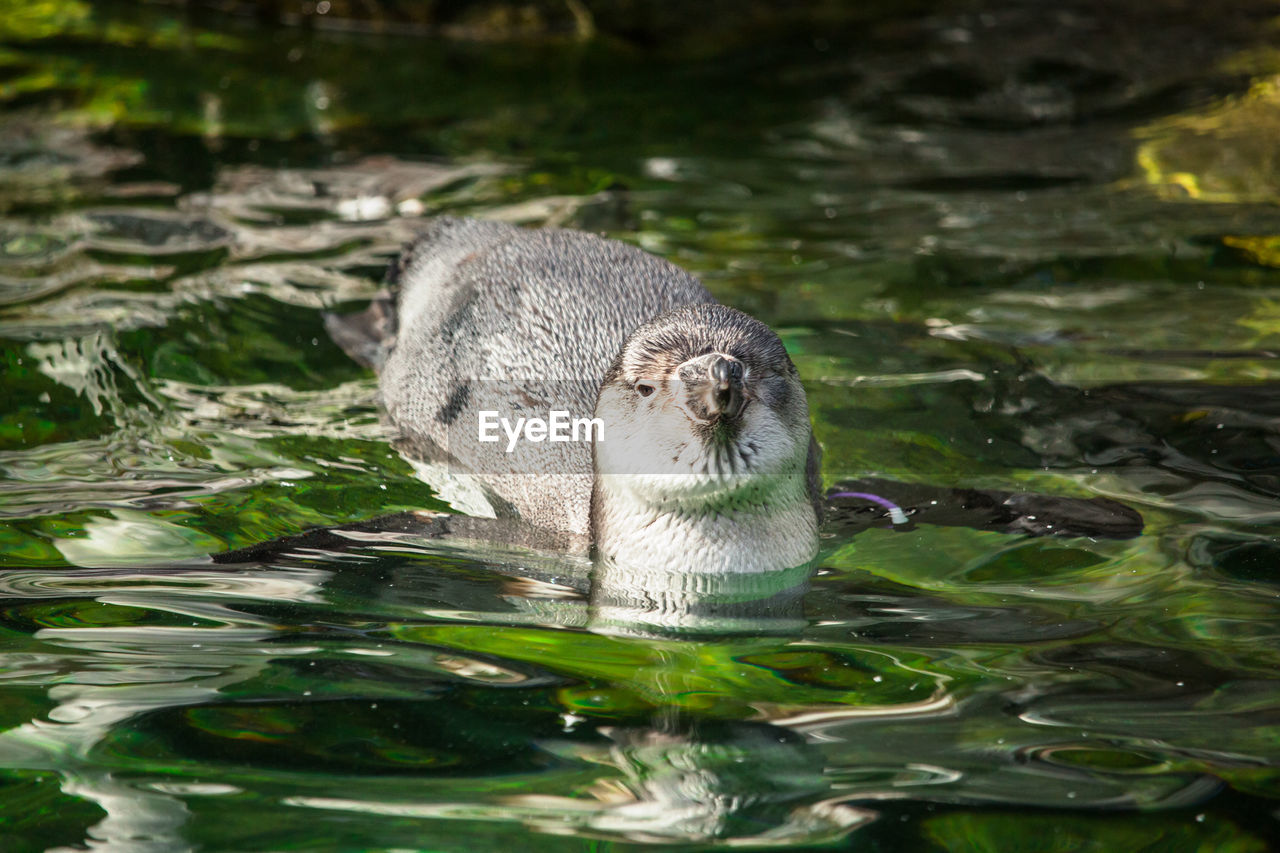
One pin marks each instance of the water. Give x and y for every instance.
(1006, 252)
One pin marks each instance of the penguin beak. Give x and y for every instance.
(727, 398)
(714, 387)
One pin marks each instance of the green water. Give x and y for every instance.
(1011, 249)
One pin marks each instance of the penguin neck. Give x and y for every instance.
(771, 531)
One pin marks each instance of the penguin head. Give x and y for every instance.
(702, 404)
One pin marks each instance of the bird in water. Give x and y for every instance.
(704, 458)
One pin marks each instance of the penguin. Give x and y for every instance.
(696, 453)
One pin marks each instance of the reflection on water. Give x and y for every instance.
(273, 684)
(1007, 255)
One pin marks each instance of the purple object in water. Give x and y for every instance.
(896, 515)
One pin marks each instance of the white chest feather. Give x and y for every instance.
(777, 533)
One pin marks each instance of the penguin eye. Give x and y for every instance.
(644, 389)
